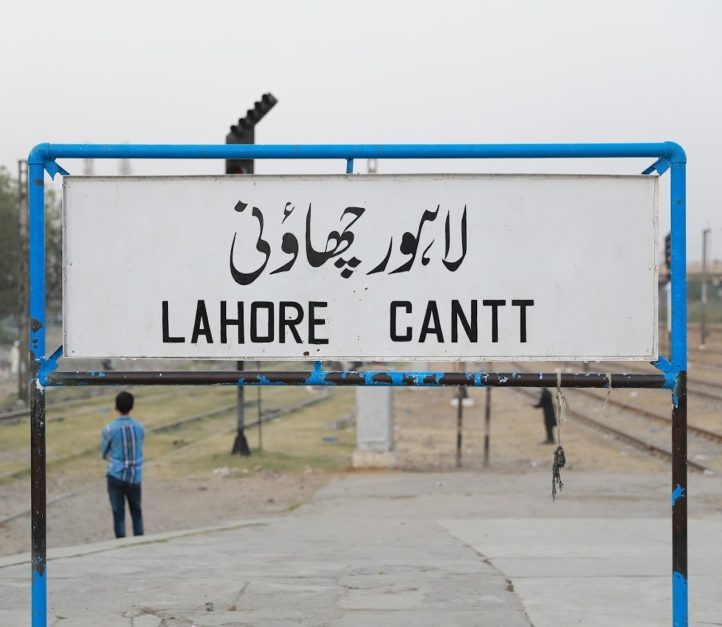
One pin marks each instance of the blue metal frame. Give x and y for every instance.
(42, 158)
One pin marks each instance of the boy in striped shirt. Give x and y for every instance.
(122, 447)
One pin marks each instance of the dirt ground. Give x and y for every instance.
(426, 436)
(167, 505)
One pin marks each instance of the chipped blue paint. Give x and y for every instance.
(678, 355)
(677, 493)
(264, 380)
(679, 599)
(317, 376)
(36, 223)
(675, 397)
(393, 378)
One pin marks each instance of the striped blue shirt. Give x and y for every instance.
(123, 443)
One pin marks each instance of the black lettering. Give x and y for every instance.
(262, 246)
(494, 304)
(167, 339)
(457, 314)
(522, 304)
(291, 323)
(255, 336)
(398, 304)
(432, 311)
(226, 322)
(313, 321)
(201, 326)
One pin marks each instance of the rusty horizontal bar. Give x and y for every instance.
(353, 378)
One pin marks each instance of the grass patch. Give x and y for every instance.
(292, 443)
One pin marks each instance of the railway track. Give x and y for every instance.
(639, 443)
(705, 358)
(646, 413)
(695, 387)
(705, 389)
(694, 365)
(13, 416)
(17, 415)
(268, 415)
(697, 433)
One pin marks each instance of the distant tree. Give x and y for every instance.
(9, 250)
(10, 247)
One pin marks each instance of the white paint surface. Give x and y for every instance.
(581, 247)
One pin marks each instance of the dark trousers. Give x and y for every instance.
(118, 492)
(549, 426)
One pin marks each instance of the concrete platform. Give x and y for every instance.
(403, 549)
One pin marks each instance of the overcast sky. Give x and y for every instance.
(166, 71)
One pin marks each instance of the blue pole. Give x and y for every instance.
(666, 150)
(44, 155)
(680, 604)
(679, 266)
(36, 199)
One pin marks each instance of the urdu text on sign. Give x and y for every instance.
(412, 267)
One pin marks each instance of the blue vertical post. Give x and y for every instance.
(680, 611)
(678, 235)
(36, 198)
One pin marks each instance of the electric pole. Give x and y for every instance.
(703, 326)
(23, 303)
(244, 133)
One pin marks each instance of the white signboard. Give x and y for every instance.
(427, 267)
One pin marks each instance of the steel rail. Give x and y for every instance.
(646, 413)
(18, 415)
(627, 437)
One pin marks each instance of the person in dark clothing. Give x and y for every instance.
(550, 417)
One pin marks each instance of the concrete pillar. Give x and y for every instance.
(374, 428)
